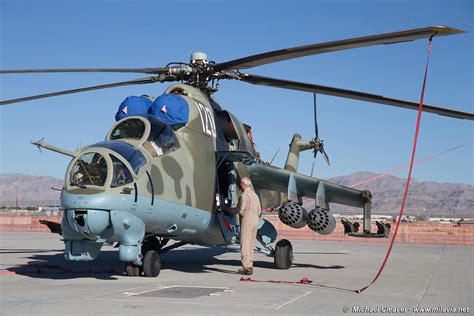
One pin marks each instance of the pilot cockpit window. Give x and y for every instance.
(129, 129)
(162, 137)
(127, 151)
(90, 169)
(121, 174)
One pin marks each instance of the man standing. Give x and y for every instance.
(249, 209)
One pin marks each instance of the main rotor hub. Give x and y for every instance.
(199, 58)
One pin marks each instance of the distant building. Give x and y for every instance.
(373, 217)
(445, 220)
(49, 208)
(467, 222)
(407, 218)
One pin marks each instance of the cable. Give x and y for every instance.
(402, 209)
(306, 281)
(403, 167)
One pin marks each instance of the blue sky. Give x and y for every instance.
(358, 136)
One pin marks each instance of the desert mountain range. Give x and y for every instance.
(425, 197)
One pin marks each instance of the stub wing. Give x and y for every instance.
(54, 227)
(297, 185)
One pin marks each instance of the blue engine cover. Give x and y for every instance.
(133, 106)
(171, 109)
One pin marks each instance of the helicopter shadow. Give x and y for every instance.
(271, 265)
(204, 258)
(11, 251)
(55, 267)
(108, 266)
(199, 260)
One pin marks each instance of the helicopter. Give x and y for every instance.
(169, 164)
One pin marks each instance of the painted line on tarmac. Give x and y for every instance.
(175, 286)
(140, 293)
(118, 291)
(293, 300)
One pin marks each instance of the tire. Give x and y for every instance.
(283, 254)
(132, 269)
(150, 244)
(151, 264)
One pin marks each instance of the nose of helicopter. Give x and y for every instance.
(90, 223)
(87, 224)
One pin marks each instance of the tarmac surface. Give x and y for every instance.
(35, 279)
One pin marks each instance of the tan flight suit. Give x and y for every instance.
(249, 209)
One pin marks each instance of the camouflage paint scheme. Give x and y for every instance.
(174, 195)
(149, 183)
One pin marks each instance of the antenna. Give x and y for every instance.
(276, 153)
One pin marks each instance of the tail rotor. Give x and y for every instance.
(316, 142)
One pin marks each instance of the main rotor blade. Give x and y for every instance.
(128, 70)
(316, 131)
(104, 86)
(327, 47)
(350, 94)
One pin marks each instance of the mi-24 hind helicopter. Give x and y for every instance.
(168, 164)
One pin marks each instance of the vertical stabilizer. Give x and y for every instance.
(296, 146)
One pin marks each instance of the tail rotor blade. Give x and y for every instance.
(312, 165)
(325, 156)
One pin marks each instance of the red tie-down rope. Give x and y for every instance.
(305, 281)
(403, 167)
(402, 208)
(415, 141)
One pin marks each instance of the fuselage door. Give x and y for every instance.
(226, 190)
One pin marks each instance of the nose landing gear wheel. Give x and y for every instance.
(151, 264)
(132, 269)
(283, 254)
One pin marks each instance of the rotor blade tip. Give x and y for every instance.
(448, 29)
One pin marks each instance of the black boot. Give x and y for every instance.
(244, 271)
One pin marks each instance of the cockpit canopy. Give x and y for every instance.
(132, 128)
(134, 157)
(89, 169)
(121, 174)
(155, 136)
(125, 142)
(94, 168)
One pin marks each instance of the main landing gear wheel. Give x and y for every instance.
(283, 254)
(132, 269)
(150, 243)
(151, 264)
